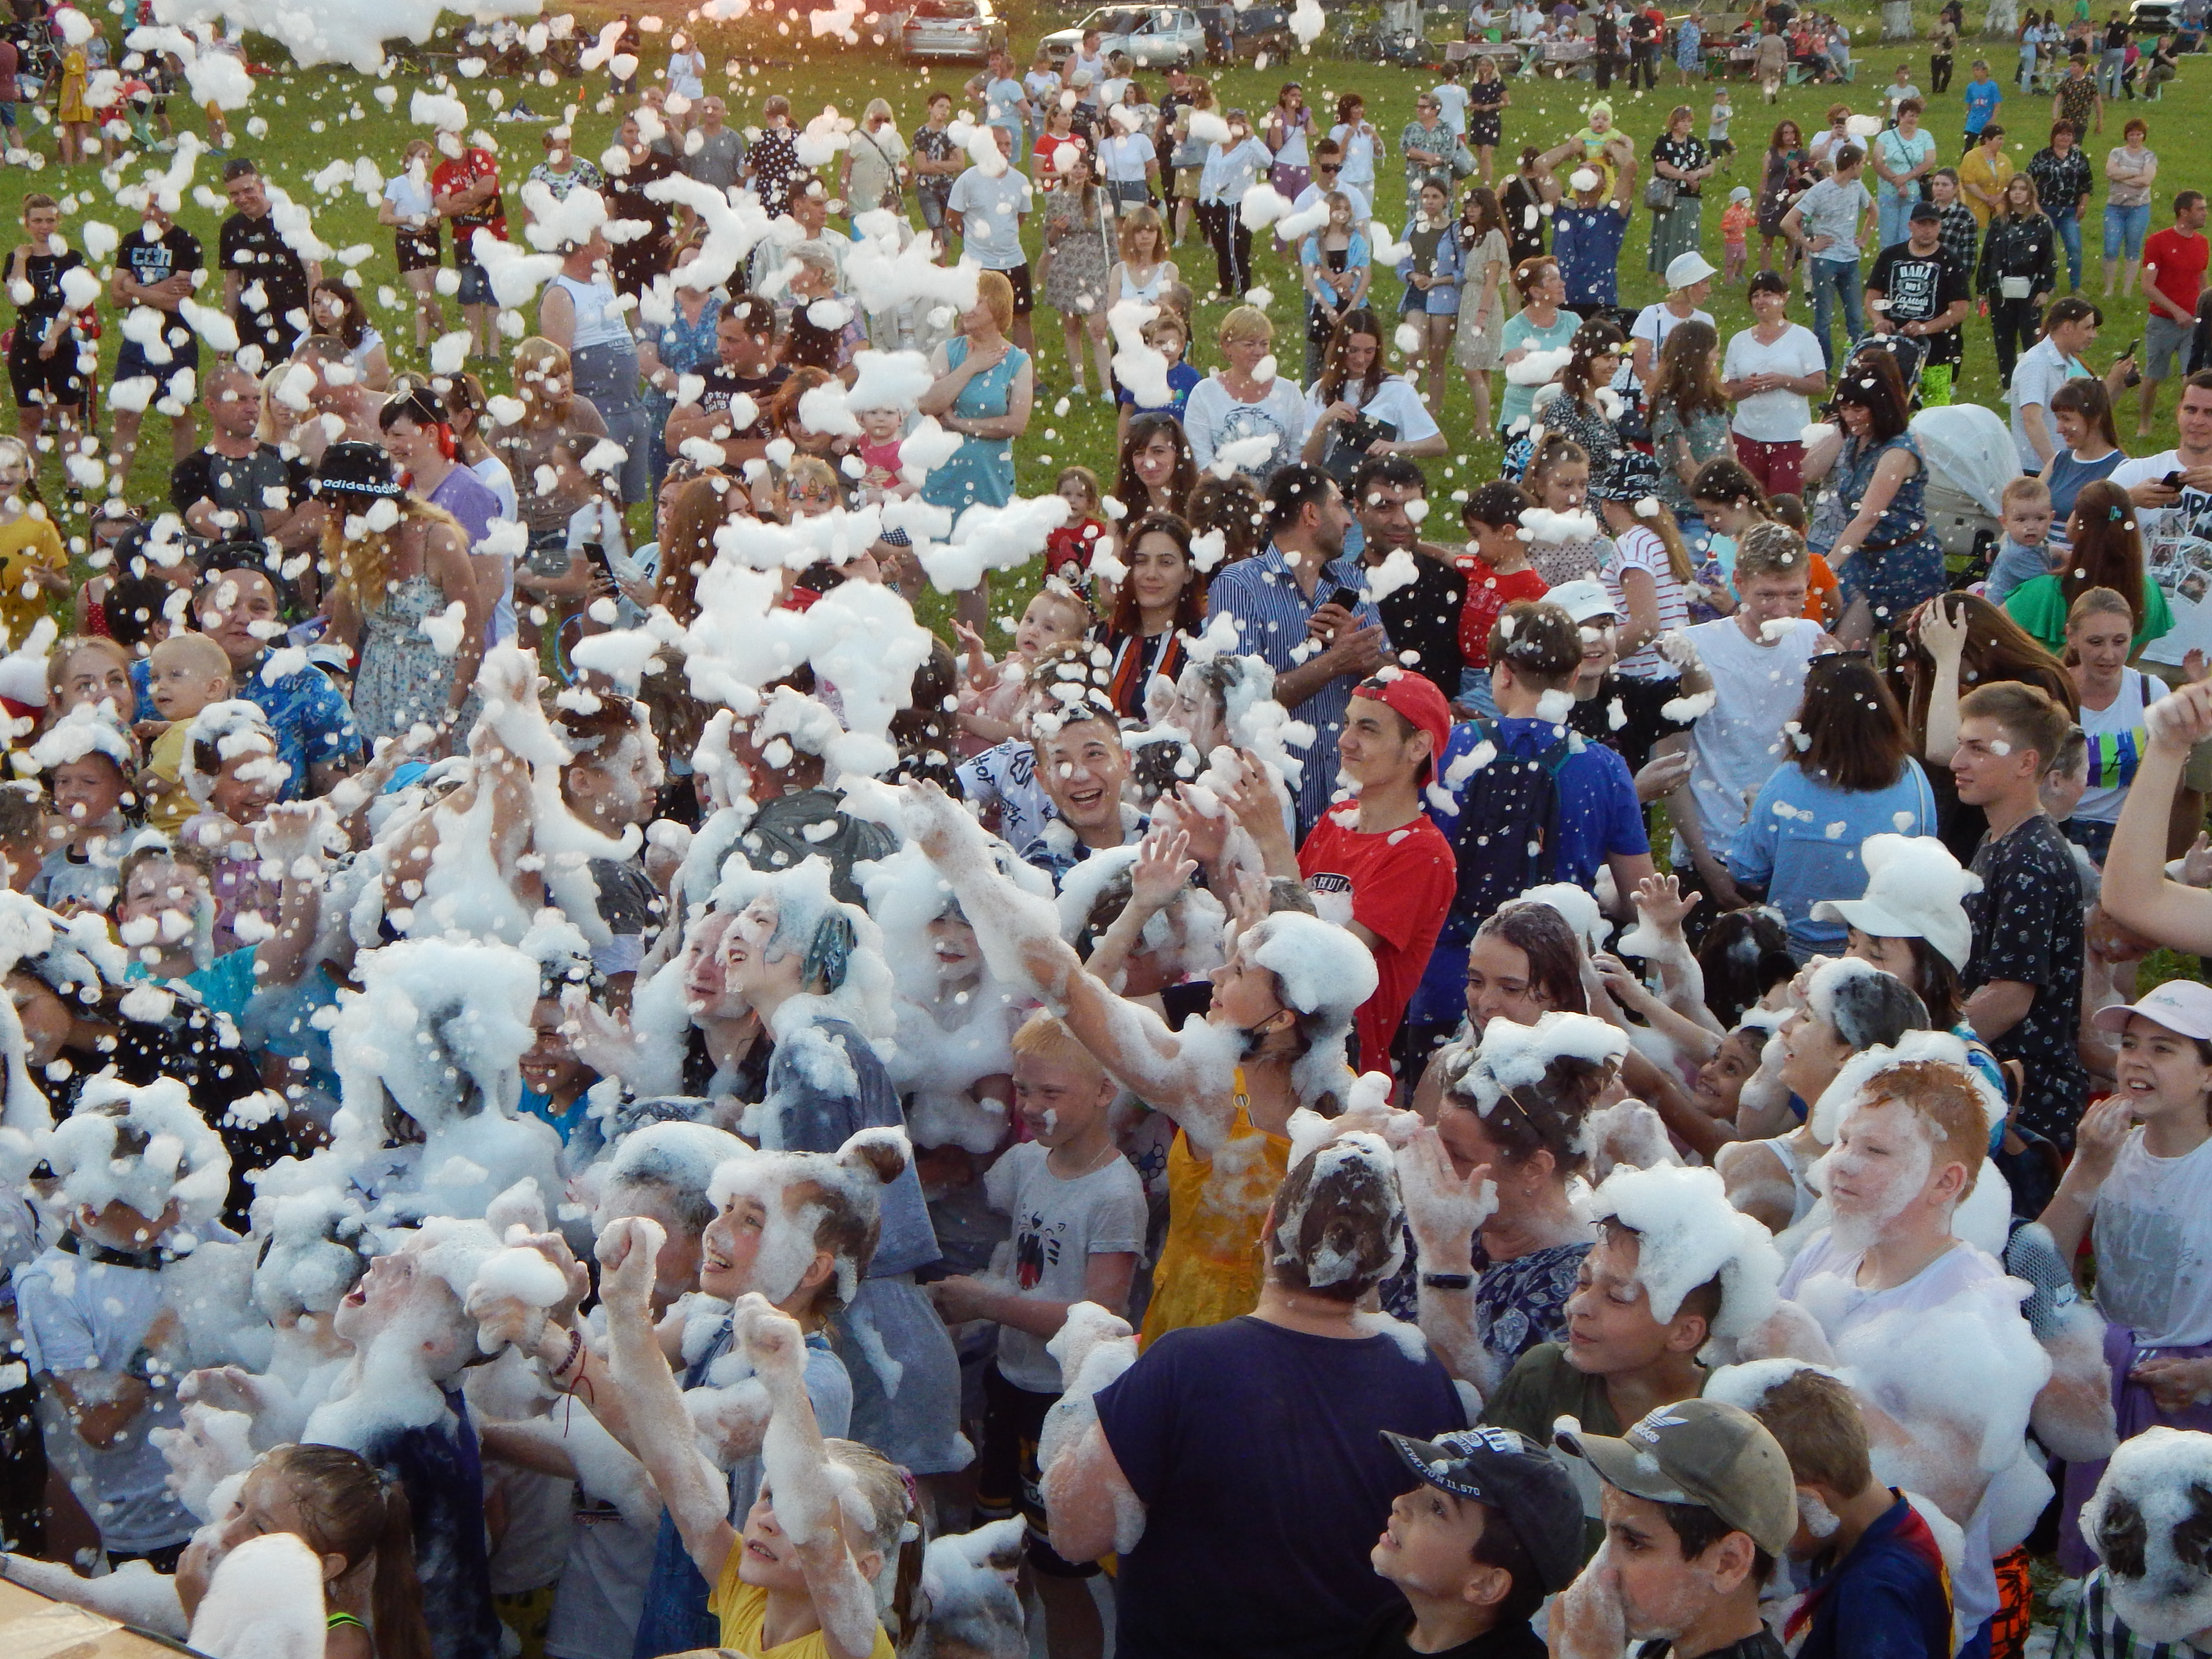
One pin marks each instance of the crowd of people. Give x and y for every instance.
(579, 1082)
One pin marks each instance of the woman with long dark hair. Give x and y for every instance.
(1875, 535)
(1689, 417)
(2088, 446)
(1577, 412)
(1162, 599)
(1358, 408)
(2104, 550)
(1786, 177)
(2019, 272)
(1856, 770)
(1157, 472)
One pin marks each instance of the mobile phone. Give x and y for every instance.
(2172, 480)
(1348, 597)
(2130, 351)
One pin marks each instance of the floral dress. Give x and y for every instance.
(1075, 280)
(1481, 338)
(403, 679)
(1900, 562)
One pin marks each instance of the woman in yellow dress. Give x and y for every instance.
(1272, 1042)
(74, 111)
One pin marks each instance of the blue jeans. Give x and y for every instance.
(1896, 211)
(2110, 68)
(2125, 229)
(2068, 223)
(1835, 280)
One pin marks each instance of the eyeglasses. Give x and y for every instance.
(1327, 166)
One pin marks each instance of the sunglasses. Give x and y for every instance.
(1327, 167)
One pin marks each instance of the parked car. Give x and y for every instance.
(1232, 32)
(2154, 16)
(951, 28)
(1155, 37)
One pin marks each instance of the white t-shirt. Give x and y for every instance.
(1452, 99)
(2125, 715)
(411, 196)
(1123, 157)
(1362, 210)
(1736, 745)
(2041, 370)
(1773, 417)
(991, 221)
(2177, 555)
(1978, 1308)
(78, 1314)
(2154, 1236)
(1358, 156)
(1395, 401)
(1059, 1225)
(1640, 549)
(1654, 323)
(1212, 418)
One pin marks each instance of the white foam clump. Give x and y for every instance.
(133, 1593)
(1093, 1348)
(2162, 1472)
(1541, 524)
(263, 1602)
(1399, 569)
(1261, 206)
(1578, 905)
(968, 1581)
(1746, 1385)
(519, 1274)
(1688, 1233)
(87, 729)
(1850, 1088)
(1512, 1056)
(182, 1159)
(1539, 367)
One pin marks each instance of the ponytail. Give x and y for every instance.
(396, 1596)
(1661, 525)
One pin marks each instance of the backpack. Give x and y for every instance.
(1506, 838)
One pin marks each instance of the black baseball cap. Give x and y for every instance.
(357, 471)
(1925, 210)
(1524, 1485)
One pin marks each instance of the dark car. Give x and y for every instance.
(1231, 33)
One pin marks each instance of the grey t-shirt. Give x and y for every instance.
(1834, 209)
(990, 210)
(719, 159)
(1059, 1225)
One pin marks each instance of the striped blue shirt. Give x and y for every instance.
(1272, 613)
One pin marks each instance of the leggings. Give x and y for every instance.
(1231, 237)
(2016, 325)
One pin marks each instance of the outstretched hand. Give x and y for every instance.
(626, 1252)
(1661, 902)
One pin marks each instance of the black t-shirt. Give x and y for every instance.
(1918, 287)
(2116, 37)
(1422, 620)
(1759, 1646)
(241, 483)
(1385, 1638)
(153, 260)
(252, 248)
(723, 384)
(2027, 928)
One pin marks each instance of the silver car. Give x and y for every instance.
(1155, 37)
(951, 28)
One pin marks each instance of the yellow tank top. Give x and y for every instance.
(1210, 1268)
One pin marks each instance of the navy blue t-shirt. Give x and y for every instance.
(1258, 1454)
(1598, 811)
(1887, 1599)
(442, 1474)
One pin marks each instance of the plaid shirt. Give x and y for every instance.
(2061, 181)
(1962, 238)
(2091, 1630)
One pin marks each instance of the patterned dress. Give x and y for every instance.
(402, 678)
(1075, 282)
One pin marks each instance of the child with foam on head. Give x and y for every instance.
(1492, 1528)
(2028, 549)
(806, 1568)
(185, 673)
(1946, 1368)
(1877, 1559)
(2137, 1188)
(1674, 1266)
(88, 762)
(2150, 1597)
(137, 1170)
(233, 771)
(1080, 1221)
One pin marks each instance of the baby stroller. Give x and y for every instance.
(1971, 458)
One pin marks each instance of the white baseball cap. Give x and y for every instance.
(1916, 888)
(1584, 601)
(2183, 1006)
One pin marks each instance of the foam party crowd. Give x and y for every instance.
(1394, 948)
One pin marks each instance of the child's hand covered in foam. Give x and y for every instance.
(626, 1253)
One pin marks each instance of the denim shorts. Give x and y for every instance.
(476, 284)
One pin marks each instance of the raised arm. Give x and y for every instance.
(2137, 892)
(661, 1429)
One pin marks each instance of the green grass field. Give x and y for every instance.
(301, 121)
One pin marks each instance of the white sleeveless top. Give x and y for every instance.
(1148, 293)
(596, 323)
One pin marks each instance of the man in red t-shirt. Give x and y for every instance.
(465, 190)
(1380, 852)
(2173, 278)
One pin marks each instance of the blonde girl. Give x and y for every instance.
(1144, 271)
